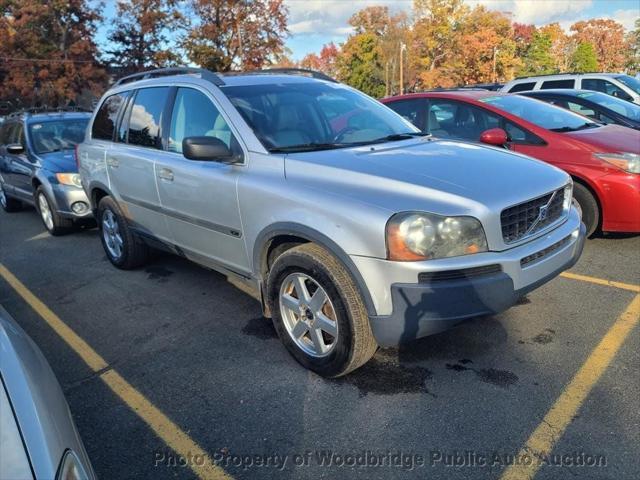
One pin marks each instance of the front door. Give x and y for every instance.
(199, 198)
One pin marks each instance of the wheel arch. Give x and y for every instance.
(97, 191)
(586, 184)
(289, 233)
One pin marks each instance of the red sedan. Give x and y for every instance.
(604, 160)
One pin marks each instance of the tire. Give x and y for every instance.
(9, 204)
(351, 343)
(123, 248)
(53, 222)
(589, 206)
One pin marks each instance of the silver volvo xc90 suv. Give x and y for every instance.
(356, 229)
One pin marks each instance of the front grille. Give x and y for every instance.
(472, 272)
(543, 253)
(524, 219)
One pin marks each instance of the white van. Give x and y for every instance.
(616, 84)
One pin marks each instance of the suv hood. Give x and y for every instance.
(453, 178)
(609, 138)
(59, 162)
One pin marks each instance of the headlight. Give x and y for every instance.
(629, 162)
(71, 468)
(423, 236)
(568, 196)
(72, 179)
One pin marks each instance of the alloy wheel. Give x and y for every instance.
(308, 315)
(45, 211)
(111, 234)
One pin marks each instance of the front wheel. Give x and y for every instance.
(53, 222)
(318, 311)
(589, 207)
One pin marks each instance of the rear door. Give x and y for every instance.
(131, 161)
(199, 198)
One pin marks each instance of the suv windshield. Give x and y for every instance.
(632, 83)
(627, 109)
(55, 135)
(315, 116)
(540, 113)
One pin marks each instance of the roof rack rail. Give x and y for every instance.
(564, 73)
(294, 71)
(165, 72)
(46, 110)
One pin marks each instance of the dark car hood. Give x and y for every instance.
(609, 138)
(59, 162)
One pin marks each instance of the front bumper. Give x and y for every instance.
(65, 196)
(420, 300)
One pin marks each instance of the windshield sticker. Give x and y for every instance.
(37, 126)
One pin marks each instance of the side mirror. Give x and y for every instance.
(15, 149)
(494, 136)
(207, 149)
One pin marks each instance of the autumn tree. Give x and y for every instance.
(141, 33)
(562, 46)
(47, 52)
(584, 58)
(522, 36)
(236, 34)
(607, 37)
(325, 62)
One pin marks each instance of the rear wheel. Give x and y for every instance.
(9, 204)
(318, 311)
(589, 206)
(53, 222)
(123, 248)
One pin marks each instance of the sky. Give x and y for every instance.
(313, 23)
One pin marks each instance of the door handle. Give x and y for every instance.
(166, 174)
(113, 162)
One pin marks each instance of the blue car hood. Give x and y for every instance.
(59, 162)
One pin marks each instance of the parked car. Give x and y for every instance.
(485, 86)
(356, 229)
(38, 167)
(38, 439)
(595, 105)
(619, 85)
(603, 160)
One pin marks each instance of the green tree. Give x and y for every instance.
(584, 59)
(538, 59)
(360, 64)
(140, 36)
(633, 50)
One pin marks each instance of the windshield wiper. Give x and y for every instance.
(398, 136)
(307, 147)
(574, 129)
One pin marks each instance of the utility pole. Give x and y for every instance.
(495, 53)
(386, 79)
(403, 47)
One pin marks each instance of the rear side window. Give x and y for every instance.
(4, 133)
(105, 121)
(522, 87)
(412, 110)
(146, 117)
(557, 84)
(605, 86)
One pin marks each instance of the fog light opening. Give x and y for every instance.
(79, 208)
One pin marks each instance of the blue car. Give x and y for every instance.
(38, 167)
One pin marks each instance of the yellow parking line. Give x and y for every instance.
(601, 281)
(548, 433)
(168, 431)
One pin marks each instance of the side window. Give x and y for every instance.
(105, 121)
(581, 109)
(605, 86)
(5, 133)
(146, 117)
(18, 135)
(195, 116)
(412, 110)
(548, 84)
(522, 87)
(459, 120)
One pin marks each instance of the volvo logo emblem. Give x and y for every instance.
(542, 214)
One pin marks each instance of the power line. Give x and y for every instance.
(45, 60)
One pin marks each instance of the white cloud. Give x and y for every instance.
(537, 12)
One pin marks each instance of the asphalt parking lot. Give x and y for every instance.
(190, 366)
